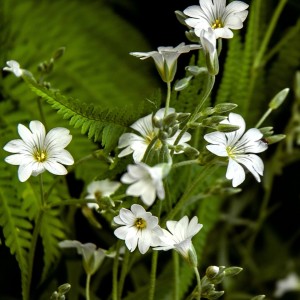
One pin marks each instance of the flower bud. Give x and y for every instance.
(163, 135)
(157, 122)
(181, 17)
(259, 297)
(181, 117)
(278, 99)
(169, 120)
(192, 257)
(212, 272)
(182, 83)
(227, 127)
(224, 107)
(275, 138)
(195, 70)
(59, 53)
(64, 288)
(193, 125)
(232, 271)
(207, 111)
(210, 121)
(215, 295)
(191, 152)
(266, 131)
(191, 36)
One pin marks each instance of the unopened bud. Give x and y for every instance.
(212, 272)
(207, 111)
(59, 53)
(191, 36)
(266, 131)
(275, 138)
(215, 295)
(191, 152)
(157, 122)
(181, 17)
(259, 297)
(224, 107)
(227, 127)
(232, 271)
(170, 119)
(64, 288)
(213, 120)
(193, 125)
(279, 98)
(163, 135)
(195, 70)
(182, 83)
(192, 257)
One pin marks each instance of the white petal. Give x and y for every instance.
(138, 210)
(233, 22)
(26, 135)
(208, 9)
(193, 11)
(127, 139)
(18, 159)
(235, 7)
(218, 150)
(217, 138)
(55, 168)
(121, 232)
(63, 157)
(24, 172)
(145, 240)
(144, 125)
(235, 172)
(253, 163)
(58, 138)
(16, 146)
(224, 33)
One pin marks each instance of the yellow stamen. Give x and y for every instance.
(217, 24)
(230, 151)
(140, 223)
(40, 155)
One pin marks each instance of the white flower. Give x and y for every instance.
(139, 228)
(208, 42)
(218, 16)
(239, 148)
(100, 189)
(289, 283)
(91, 256)
(36, 152)
(137, 144)
(146, 181)
(166, 59)
(180, 234)
(14, 67)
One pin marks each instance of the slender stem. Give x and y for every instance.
(269, 32)
(70, 202)
(176, 275)
(168, 98)
(152, 143)
(35, 235)
(153, 275)
(87, 287)
(263, 118)
(123, 272)
(115, 272)
(185, 163)
(198, 283)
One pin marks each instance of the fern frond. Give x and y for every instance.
(15, 224)
(52, 231)
(100, 125)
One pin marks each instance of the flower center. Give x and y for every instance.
(217, 24)
(98, 194)
(140, 223)
(150, 137)
(230, 151)
(40, 155)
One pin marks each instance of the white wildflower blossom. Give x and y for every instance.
(138, 228)
(216, 15)
(239, 148)
(138, 143)
(290, 283)
(14, 67)
(145, 181)
(165, 59)
(179, 237)
(99, 189)
(36, 152)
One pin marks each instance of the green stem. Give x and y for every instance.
(263, 118)
(268, 35)
(198, 283)
(153, 275)
(176, 275)
(34, 240)
(168, 98)
(87, 287)
(123, 272)
(70, 202)
(185, 163)
(115, 272)
(152, 143)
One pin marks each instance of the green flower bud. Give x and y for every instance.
(224, 107)
(275, 138)
(266, 131)
(207, 111)
(64, 288)
(297, 86)
(192, 257)
(169, 120)
(212, 272)
(210, 121)
(193, 125)
(279, 98)
(215, 295)
(181, 17)
(157, 122)
(163, 135)
(232, 271)
(191, 36)
(191, 152)
(59, 53)
(227, 127)
(195, 70)
(182, 83)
